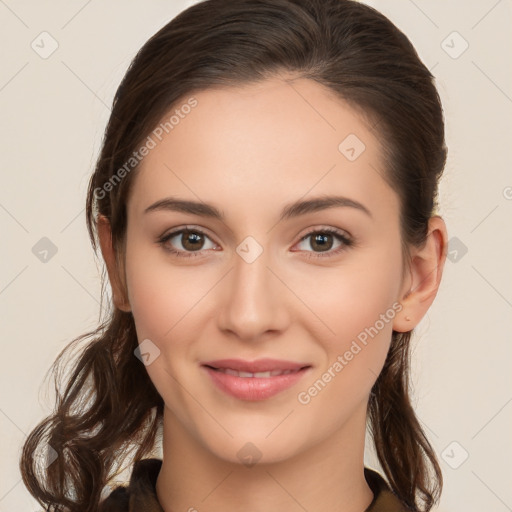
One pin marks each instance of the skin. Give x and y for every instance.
(249, 151)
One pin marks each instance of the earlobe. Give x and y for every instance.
(107, 250)
(426, 270)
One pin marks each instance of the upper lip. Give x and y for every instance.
(259, 365)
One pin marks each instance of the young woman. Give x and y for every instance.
(265, 203)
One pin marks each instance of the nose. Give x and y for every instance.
(255, 301)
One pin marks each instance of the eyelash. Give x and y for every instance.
(346, 242)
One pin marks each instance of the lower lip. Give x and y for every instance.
(254, 388)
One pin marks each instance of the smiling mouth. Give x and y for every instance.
(256, 385)
(257, 375)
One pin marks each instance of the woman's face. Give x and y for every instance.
(257, 284)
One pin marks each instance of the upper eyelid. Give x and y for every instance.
(342, 232)
(173, 232)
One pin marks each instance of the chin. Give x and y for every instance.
(246, 450)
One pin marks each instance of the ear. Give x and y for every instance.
(425, 272)
(107, 250)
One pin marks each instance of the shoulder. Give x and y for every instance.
(384, 499)
(140, 494)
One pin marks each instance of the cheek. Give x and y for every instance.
(368, 301)
(358, 304)
(165, 304)
(359, 294)
(168, 304)
(362, 319)
(161, 295)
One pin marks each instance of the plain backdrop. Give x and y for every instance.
(53, 112)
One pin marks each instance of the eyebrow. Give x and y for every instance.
(294, 209)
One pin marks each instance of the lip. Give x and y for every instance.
(254, 388)
(259, 365)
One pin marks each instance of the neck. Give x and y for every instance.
(327, 476)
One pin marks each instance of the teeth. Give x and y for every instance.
(258, 375)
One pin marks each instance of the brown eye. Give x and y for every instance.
(192, 240)
(323, 240)
(186, 242)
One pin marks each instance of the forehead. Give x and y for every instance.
(271, 141)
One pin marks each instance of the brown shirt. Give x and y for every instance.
(140, 495)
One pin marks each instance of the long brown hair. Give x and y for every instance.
(109, 406)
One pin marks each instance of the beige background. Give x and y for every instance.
(53, 113)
